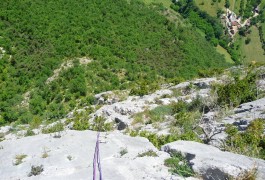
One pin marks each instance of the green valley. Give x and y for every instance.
(128, 42)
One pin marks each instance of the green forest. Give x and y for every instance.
(130, 44)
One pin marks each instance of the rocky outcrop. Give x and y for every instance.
(212, 163)
(123, 110)
(111, 97)
(247, 112)
(71, 157)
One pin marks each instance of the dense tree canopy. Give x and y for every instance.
(128, 42)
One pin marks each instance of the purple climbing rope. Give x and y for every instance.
(96, 161)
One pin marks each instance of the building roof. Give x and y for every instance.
(235, 23)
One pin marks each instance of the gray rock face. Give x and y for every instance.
(121, 125)
(71, 157)
(247, 112)
(204, 83)
(110, 97)
(124, 110)
(212, 163)
(5, 129)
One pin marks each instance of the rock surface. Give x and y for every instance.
(247, 112)
(212, 163)
(124, 110)
(71, 156)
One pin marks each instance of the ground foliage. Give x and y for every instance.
(250, 142)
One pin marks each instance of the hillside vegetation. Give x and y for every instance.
(128, 42)
(207, 16)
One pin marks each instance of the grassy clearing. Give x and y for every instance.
(171, 15)
(252, 51)
(209, 7)
(236, 6)
(263, 29)
(166, 3)
(221, 50)
(232, 4)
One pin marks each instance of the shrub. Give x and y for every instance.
(81, 120)
(29, 133)
(36, 170)
(19, 159)
(55, 128)
(143, 88)
(241, 91)
(45, 154)
(150, 153)
(81, 124)
(248, 175)
(2, 137)
(69, 157)
(179, 165)
(155, 139)
(247, 41)
(123, 151)
(250, 143)
(100, 124)
(155, 115)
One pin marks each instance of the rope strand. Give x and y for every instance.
(96, 161)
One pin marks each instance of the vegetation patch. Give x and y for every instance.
(36, 170)
(123, 151)
(2, 137)
(149, 153)
(224, 52)
(69, 157)
(100, 124)
(248, 175)
(252, 47)
(179, 165)
(151, 116)
(19, 159)
(58, 127)
(155, 139)
(45, 153)
(242, 90)
(250, 143)
(29, 132)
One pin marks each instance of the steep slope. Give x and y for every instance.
(128, 41)
(187, 111)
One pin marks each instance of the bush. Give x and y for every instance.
(155, 139)
(36, 170)
(241, 91)
(29, 133)
(2, 137)
(123, 151)
(100, 124)
(149, 153)
(179, 165)
(250, 143)
(247, 41)
(157, 114)
(36, 122)
(55, 128)
(81, 124)
(19, 159)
